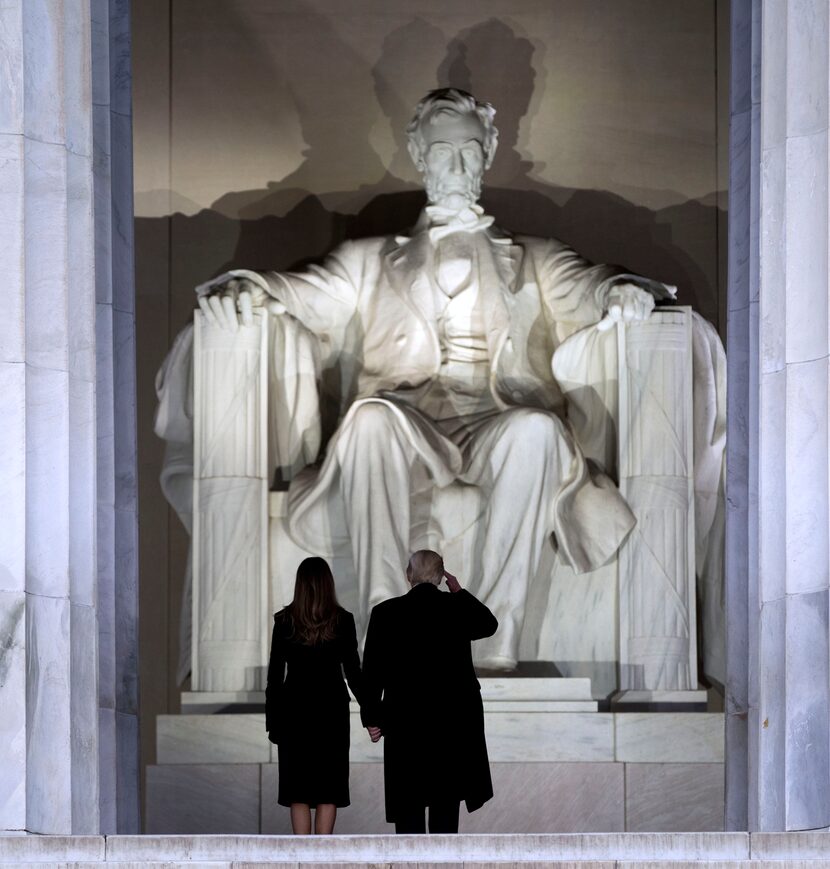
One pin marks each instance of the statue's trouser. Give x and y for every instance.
(518, 458)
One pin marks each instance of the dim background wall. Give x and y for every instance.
(266, 131)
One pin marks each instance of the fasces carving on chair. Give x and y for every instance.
(478, 406)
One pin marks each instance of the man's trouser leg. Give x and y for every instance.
(443, 817)
(412, 820)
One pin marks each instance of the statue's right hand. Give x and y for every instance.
(230, 300)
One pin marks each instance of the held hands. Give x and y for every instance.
(626, 303)
(374, 733)
(230, 300)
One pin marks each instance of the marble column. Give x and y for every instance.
(778, 691)
(66, 443)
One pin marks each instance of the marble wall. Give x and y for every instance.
(552, 772)
(778, 490)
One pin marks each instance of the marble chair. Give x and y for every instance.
(632, 624)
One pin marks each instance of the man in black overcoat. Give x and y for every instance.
(422, 695)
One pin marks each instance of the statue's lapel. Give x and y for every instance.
(508, 258)
(499, 266)
(408, 268)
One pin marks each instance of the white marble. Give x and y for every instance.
(669, 737)
(770, 722)
(12, 329)
(82, 492)
(808, 513)
(47, 481)
(806, 229)
(13, 475)
(12, 710)
(198, 798)
(11, 103)
(807, 711)
(521, 688)
(810, 845)
(102, 162)
(660, 698)
(514, 735)
(46, 255)
(80, 240)
(806, 80)
(774, 262)
(48, 722)
(211, 739)
(772, 543)
(440, 849)
(42, 38)
(51, 849)
(674, 796)
(657, 589)
(83, 703)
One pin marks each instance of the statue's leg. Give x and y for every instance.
(519, 458)
(376, 461)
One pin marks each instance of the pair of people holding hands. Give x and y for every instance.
(417, 674)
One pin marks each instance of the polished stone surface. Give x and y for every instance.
(440, 849)
(195, 798)
(211, 739)
(669, 737)
(641, 850)
(529, 798)
(674, 796)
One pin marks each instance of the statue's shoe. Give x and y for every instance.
(496, 662)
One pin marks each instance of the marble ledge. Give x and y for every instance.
(669, 737)
(438, 848)
(513, 735)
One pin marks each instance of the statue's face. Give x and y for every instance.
(452, 159)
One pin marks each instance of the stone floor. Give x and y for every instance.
(576, 851)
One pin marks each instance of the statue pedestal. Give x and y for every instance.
(558, 765)
(660, 701)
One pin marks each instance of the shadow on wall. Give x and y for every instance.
(285, 226)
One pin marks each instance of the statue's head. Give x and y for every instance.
(452, 141)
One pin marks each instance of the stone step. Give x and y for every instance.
(518, 732)
(501, 689)
(609, 850)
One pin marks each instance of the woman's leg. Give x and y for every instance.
(301, 819)
(324, 819)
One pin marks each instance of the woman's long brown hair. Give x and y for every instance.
(314, 608)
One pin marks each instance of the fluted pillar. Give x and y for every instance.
(778, 691)
(60, 340)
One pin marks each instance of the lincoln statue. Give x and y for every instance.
(447, 335)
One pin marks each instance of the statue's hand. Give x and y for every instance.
(231, 300)
(626, 303)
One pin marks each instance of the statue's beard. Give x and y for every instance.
(460, 192)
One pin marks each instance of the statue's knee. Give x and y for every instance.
(536, 429)
(371, 419)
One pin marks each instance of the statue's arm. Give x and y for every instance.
(322, 298)
(579, 293)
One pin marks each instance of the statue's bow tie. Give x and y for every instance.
(444, 221)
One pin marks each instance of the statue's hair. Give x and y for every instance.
(425, 566)
(457, 102)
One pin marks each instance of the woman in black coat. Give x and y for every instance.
(307, 710)
(420, 688)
